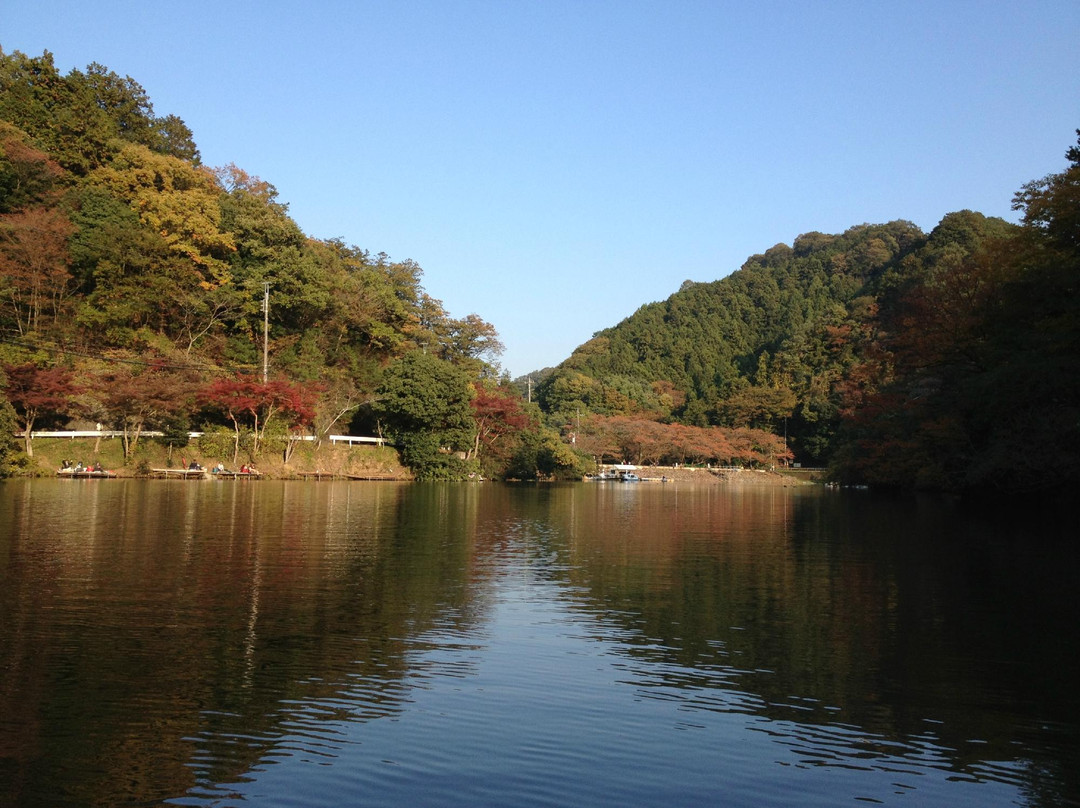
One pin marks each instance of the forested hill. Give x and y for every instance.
(944, 360)
(767, 343)
(136, 246)
(134, 281)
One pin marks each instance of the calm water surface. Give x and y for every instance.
(377, 644)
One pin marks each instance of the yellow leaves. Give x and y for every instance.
(176, 199)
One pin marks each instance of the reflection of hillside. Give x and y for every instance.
(854, 627)
(204, 624)
(162, 640)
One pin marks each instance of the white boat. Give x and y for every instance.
(603, 476)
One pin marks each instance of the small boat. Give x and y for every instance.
(630, 477)
(604, 475)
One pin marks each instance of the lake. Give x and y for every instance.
(227, 643)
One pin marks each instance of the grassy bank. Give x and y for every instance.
(363, 461)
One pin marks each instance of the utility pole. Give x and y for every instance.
(530, 388)
(266, 330)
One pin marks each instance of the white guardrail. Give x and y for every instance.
(112, 433)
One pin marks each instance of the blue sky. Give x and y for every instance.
(554, 165)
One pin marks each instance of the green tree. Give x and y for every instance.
(423, 402)
(83, 117)
(8, 424)
(177, 199)
(541, 454)
(129, 278)
(60, 116)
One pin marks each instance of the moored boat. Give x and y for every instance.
(603, 476)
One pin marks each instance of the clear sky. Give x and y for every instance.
(554, 165)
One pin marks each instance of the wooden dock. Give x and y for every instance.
(331, 475)
(85, 474)
(180, 474)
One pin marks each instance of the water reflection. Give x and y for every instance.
(149, 622)
(874, 632)
(196, 642)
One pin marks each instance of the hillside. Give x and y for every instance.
(947, 360)
(142, 289)
(765, 344)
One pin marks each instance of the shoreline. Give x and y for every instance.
(324, 462)
(718, 476)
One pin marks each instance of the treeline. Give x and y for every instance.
(134, 283)
(133, 280)
(946, 360)
(142, 290)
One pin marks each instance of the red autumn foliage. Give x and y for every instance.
(498, 416)
(34, 391)
(245, 401)
(645, 442)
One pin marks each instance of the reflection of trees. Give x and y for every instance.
(157, 639)
(200, 625)
(869, 629)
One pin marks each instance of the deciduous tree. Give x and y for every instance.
(34, 264)
(246, 402)
(499, 418)
(28, 177)
(148, 398)
(177, 199)
(36, 392)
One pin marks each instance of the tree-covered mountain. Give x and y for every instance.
(143, 290)
(126, 264)
(944, 360)
(767, 343)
